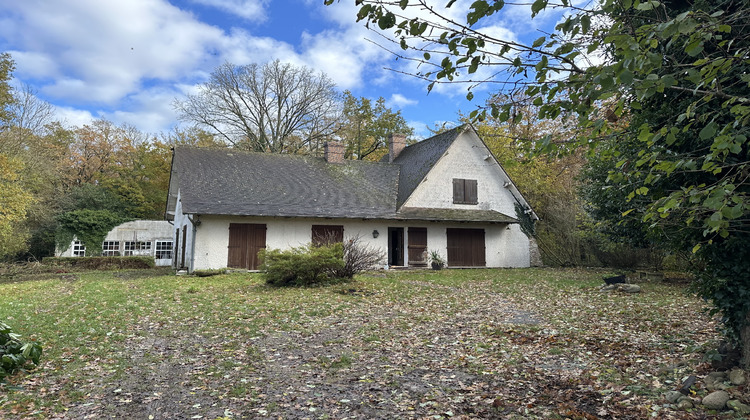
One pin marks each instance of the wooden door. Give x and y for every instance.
(466, 248)
(245, 241)
(417, 245)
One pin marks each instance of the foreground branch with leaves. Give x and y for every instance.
(676, 72)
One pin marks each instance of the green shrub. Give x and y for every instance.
(302, 266)
(100, 263)
(14, 354)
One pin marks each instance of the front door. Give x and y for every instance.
(466, 248)
(395, 246)
(245, 241)
(417, 246)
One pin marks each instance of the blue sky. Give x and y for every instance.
(127, 60)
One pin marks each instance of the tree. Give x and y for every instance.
(548, 182)
(6, 91)
(275, 107)
(365, 128)
(687, 59)
(190, 136)
(13, 204)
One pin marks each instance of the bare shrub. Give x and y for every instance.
(358, 257)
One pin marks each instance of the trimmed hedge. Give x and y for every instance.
(100, 263)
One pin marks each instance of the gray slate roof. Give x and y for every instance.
(454, 215)
(232, 182)
(417, 160)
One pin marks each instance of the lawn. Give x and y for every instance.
(519, 343)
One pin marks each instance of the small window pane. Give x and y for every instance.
(78, 249)
(111, 248)
(136, 248)
(163, 250)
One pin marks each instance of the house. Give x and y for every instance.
(446, 194)
(139, 237)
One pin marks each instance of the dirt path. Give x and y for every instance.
(400, 361)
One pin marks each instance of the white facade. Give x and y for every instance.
(466, 158)
(506, 245)
(139, 237)
(203, 240)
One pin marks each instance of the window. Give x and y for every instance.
(111, 248)
(464, 191)
(163, 250)
(137, 248)
(327, 234)
(79, 250)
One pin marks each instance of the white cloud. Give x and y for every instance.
(73, 117)
(127, 60)
(399, 101)
(240, 47)
(101, 51)
(251, 10)
(150, 110)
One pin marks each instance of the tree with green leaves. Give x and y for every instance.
(366, 125)
(548, 182)
(14, 201)
(7, 65)
(602, 62)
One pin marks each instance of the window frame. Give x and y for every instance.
(111, 248)
(129, 247)
(79, 249)
(158, 249)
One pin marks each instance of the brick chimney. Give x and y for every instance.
(396, 143)
(333, 151)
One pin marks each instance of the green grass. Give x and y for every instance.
(224, 326)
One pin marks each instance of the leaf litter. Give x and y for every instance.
(454, 344)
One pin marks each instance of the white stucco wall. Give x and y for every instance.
(504, 247)
(468, 158)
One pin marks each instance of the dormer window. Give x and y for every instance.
(464, 191)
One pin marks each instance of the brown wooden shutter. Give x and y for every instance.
(245, 241)
(470, 191)
(458, 191)
(466, 247)
(327, 234)
(417, 246)
(237, 245)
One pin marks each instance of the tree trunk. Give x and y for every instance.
(745, 342)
